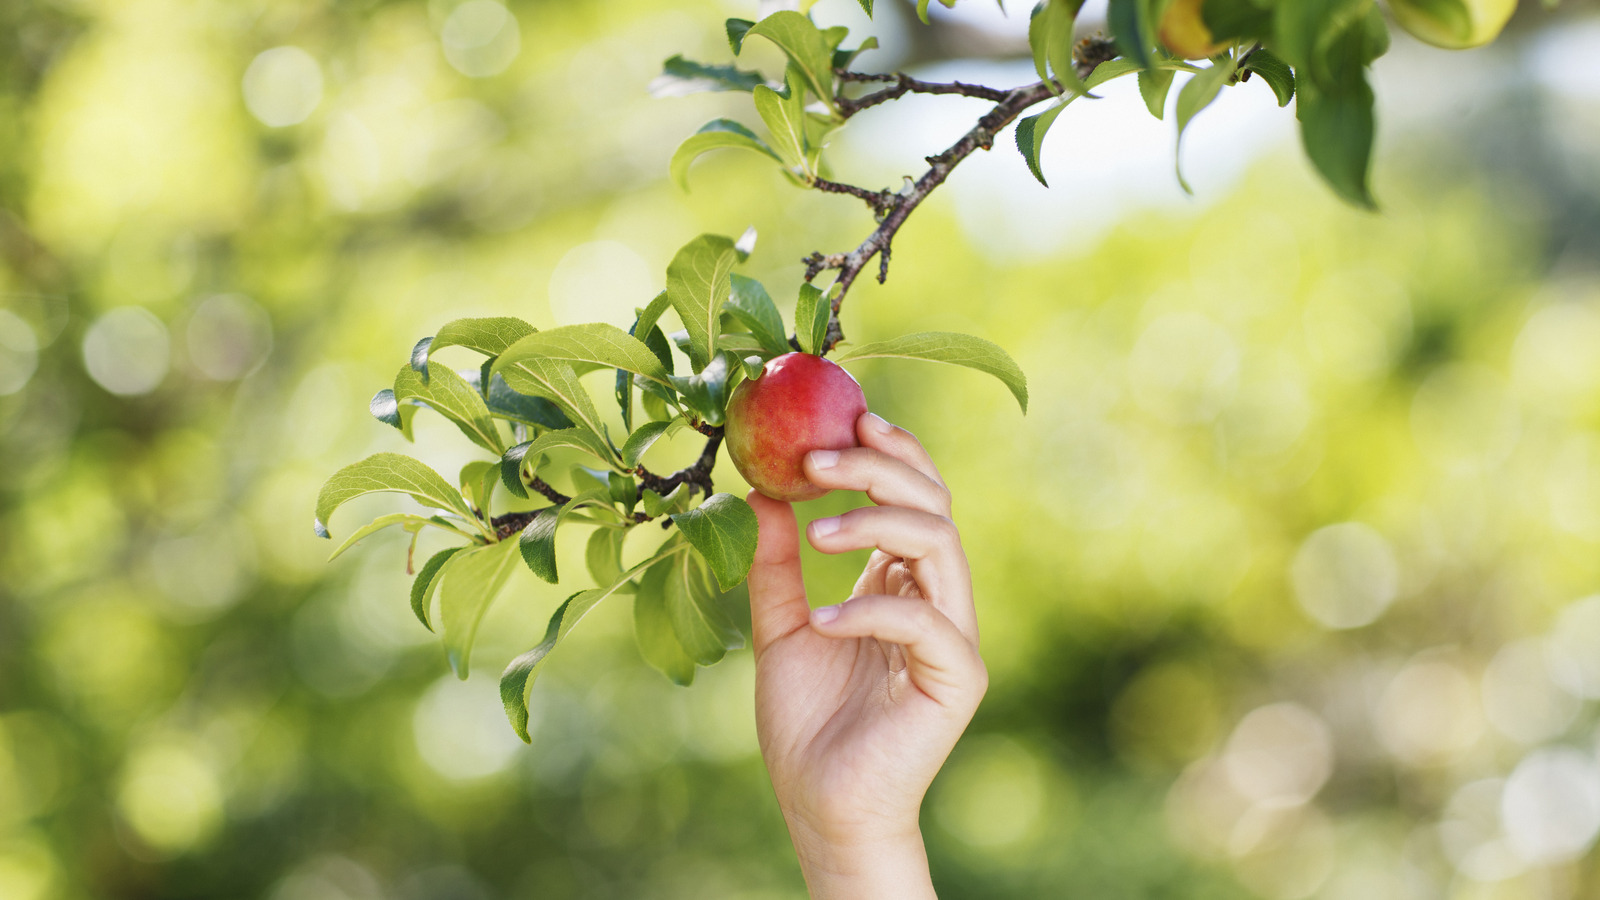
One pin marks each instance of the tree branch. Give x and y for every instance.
(880, 201)
(905, 84)
(697, 476)
(1009, 105)
(893, 209)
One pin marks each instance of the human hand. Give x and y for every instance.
(858, 705)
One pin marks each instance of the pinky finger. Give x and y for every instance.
(941, 661)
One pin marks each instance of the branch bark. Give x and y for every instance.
(697, 476)
(1009, 105)
(904, 84)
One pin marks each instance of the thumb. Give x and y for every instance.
(777, 592)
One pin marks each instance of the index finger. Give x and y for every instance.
(874, 431)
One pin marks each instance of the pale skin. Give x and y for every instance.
(859, 704)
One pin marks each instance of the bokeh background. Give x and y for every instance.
(1289, 580)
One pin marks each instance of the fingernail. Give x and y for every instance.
(824, 459)
(825, 527)
(822, 615)
(879, 424)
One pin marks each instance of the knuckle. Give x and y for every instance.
(980, 678)
(923, 618)
(949, 536)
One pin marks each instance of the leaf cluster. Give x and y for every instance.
(527, 405)
(1317, 50)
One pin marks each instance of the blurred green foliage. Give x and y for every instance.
(1280, 579)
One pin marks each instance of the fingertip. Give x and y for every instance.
(823, 616)
(872, 429)
(775, 527)
(821, 529)
(763, 504)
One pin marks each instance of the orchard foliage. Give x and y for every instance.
(527, 406)
(527, 402)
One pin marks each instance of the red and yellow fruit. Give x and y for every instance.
(799, 404)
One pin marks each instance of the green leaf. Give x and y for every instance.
(680, 76)
(593, 342)
(452, 397)
(867, 6)
(603, 554)
(716, 134)
(1240, 20)
(647, 434)
(1038, 36)
(586, 480)
(1031, 130)
(741, 343)
(1030, 136)
(511, 469)
(1306, 30)
(1196, 96)
(1154, 84)
(427, 580)
(1337, 131)
(388, 472)
(698, 286)
(737, 29)
(1116, 68)
(1055, 30)
(1275, 72)
(652, 626)
(723, 529)
(752, 367)
(477, 483)
(517, 680)
(784, 117)
(749, 303)
(504, 403)
(624, 490)
(656, 408)
(811, 313)
(703, 629)
(538, 540)
(469, 582)
(390, 411)
(706, 392)
(645, 327)
(842, 59)
(575, 438)
(655, 504)
(487, 336)
(412, 522)
(806, 47)
(1133, 25)
(1335, 110)
(952, 348)
(555, 380)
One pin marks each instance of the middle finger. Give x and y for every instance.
(929, 544)
(886, 480)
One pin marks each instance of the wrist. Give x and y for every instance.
(882, 860)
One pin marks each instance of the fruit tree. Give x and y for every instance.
(735, 371)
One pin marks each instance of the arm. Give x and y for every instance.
(859, 704)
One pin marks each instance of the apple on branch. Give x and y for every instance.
(800, 403)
